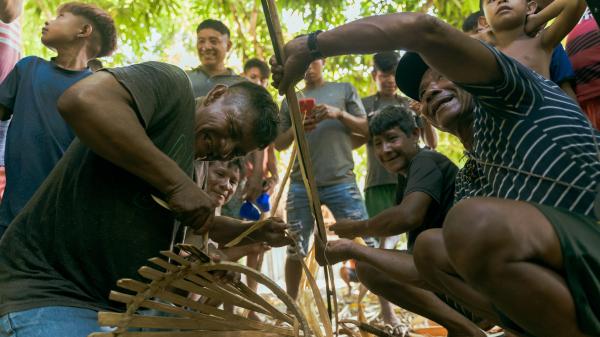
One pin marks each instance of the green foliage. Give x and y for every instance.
(165, 30)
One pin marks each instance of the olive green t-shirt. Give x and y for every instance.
(202, 83)
(91, 222)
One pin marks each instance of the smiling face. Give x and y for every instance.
(395, 149)
(443, 103)
(212, 47)
(223, 127)
(63, 29)
(507, 14)
(223, 180)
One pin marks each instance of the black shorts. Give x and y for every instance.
(579, 237)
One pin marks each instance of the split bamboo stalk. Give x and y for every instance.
(274, 26)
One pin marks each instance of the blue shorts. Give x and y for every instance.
(343, 200)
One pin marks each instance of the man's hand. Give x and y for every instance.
(349, 228)
(295, 64)
(192, 206)
(309, 123)
(324, 111)
(334, 251)
(273, 233)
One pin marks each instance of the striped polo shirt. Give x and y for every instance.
(531, 143)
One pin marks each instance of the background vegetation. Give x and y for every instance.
(165, 30)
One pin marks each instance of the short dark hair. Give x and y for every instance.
(95, 65)
(386, 62)
(471, 22)
(266, 112)
(214, 24)
(260, 64)
(393, 116)
(233, 163)
(101, 21)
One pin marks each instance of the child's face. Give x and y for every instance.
(63, 29)
(255, 76)
(442, 102)
(395, 149)
(507, 14)
(223, 180)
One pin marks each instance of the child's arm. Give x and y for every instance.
(567, 14)
(10, 10)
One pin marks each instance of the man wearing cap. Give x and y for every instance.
(528, 229)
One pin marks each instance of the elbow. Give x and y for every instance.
(412, 223)
(71, 103)
(10, 14)
(431, 30)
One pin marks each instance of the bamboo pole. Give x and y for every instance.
(272, 18)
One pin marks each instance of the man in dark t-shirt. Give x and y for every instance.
(94, 221)
(426, 195)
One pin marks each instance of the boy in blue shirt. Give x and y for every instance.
(38, 136)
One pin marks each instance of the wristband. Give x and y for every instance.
(313, 48)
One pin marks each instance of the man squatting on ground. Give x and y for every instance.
(528, 229)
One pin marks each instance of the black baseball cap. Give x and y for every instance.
(409, 73)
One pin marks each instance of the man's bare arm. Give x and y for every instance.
(444, 48)
(406, 216)
(100, 112)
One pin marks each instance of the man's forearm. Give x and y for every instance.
(224, 229)
(357, 125)
(416, 32)
(392, 221)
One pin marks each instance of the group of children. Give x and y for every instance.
(517, 221)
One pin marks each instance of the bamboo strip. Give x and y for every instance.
(262, 279)
(185, 302)
(179, 259)
(232, 291)
(153, 275)
(187, 334)
(272, 17)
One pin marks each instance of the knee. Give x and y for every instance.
(475, 236)
(429, 252)
(365, 273)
